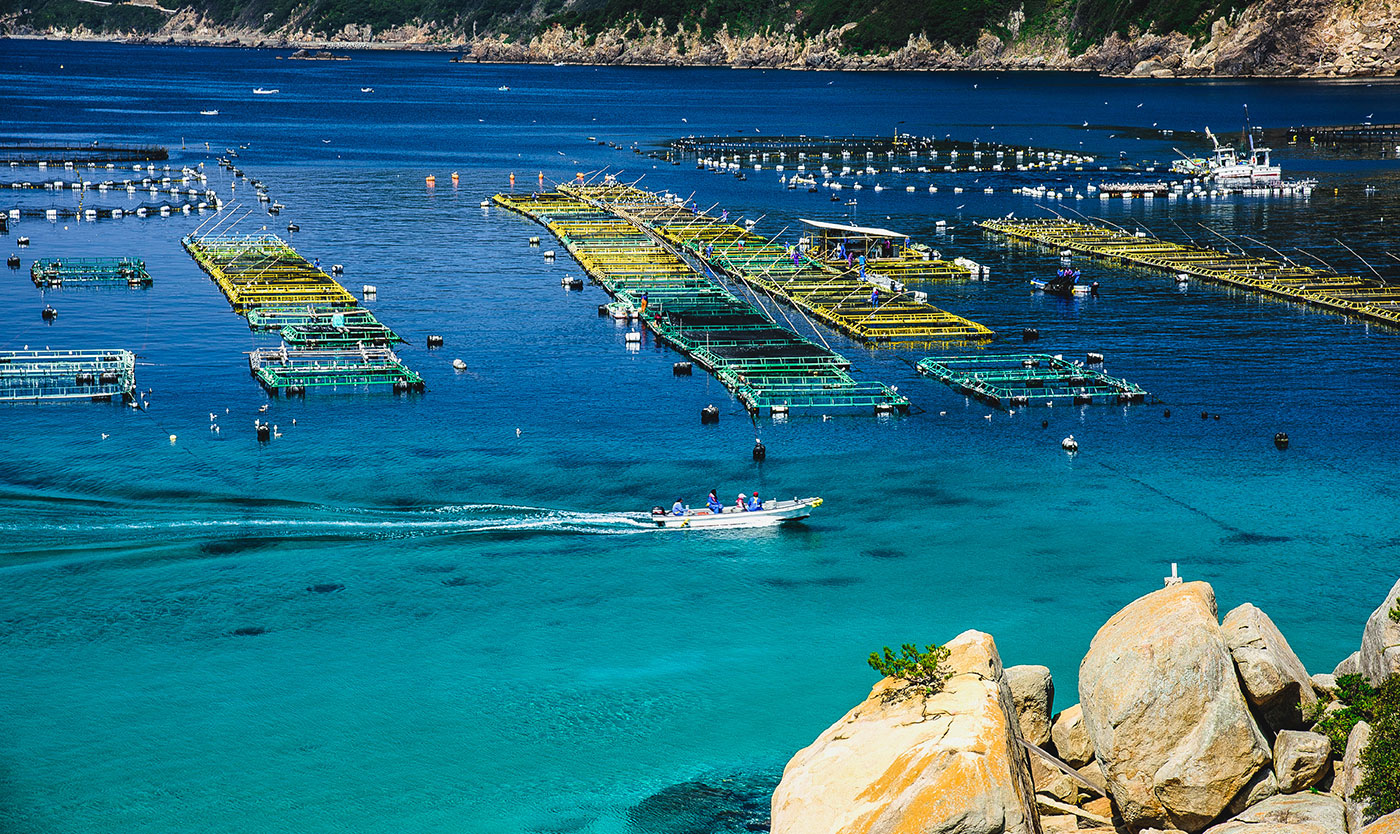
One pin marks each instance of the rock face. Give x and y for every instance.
(1275, 681)
(1300, 759)
(1164, 711)
(1349, 776)
(940, 764)
(1380, 643)
(1388, 824)
(1350, 666)
(1033, 693)
(1071, 739)
(1297, 814)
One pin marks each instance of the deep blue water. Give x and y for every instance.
(508, 652)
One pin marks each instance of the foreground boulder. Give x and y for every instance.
(1303, 813)
(1380, 642)
(1032, 692)
(922, 764)
(1164, 711)
(1275, 680)
(1300, 759)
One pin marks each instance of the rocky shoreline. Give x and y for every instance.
(1269, 38)
(1185, 723)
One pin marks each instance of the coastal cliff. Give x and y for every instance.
(1327, 38)
(1185, 723)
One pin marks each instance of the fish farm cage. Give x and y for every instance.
(59, 272)
(67, 375)
(1007, 381)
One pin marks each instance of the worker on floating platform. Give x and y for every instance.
(643, 309)
(861, 259)
(713, 503)
(875, 297)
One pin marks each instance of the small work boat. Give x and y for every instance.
(208, 112)
(263, 91)
(1065, 284)
(366, 89)
(773, 513)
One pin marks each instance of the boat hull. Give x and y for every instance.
(772, 514)
(1075, 290)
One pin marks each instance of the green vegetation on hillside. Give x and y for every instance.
(69, 14)
(881, 25)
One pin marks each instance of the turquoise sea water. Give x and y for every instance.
(462, 629)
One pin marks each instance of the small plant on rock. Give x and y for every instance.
(921, 671)
(1395, 611)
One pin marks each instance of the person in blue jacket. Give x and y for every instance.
(754, 503)
(713, 503)
(678, 508)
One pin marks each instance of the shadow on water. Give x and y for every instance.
(709, 805)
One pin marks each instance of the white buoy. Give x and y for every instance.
(172, 439)
(459, 364)
(633, 336)
(1069, 444)
(369, 289)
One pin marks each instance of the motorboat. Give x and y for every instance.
(264, 91)
(366, 89)
(774, 512)
(1065, 284)
(208, 112)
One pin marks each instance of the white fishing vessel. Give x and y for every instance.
(1233, 168)
(264, 91)
(208, 112)
(773, 513)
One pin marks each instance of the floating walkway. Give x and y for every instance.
(726, 151)
(863, 305)
(328, 340)
(67, 375)
(26, 154)
(769, 367)
(256, 271)
(1023, 379)
(58, 272)
(1365, 298)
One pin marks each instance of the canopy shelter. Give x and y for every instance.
(833, 240)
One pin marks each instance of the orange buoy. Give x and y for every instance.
(454, 177)
(542, 179)
(512, 179)
(432, 180)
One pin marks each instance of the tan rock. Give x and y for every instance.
(1071, 739)
(1163, 708)
(1350, 666)
(1033, 693)
(1275, 681)
(1061, 824)
(1101, 807)
(1300, 759)
(1051, 780)
(1388, 824)
(1380, 642)
(1093, 774)
(1302, 813)
(1325, 684)
(1349, 775)
(922, 764)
